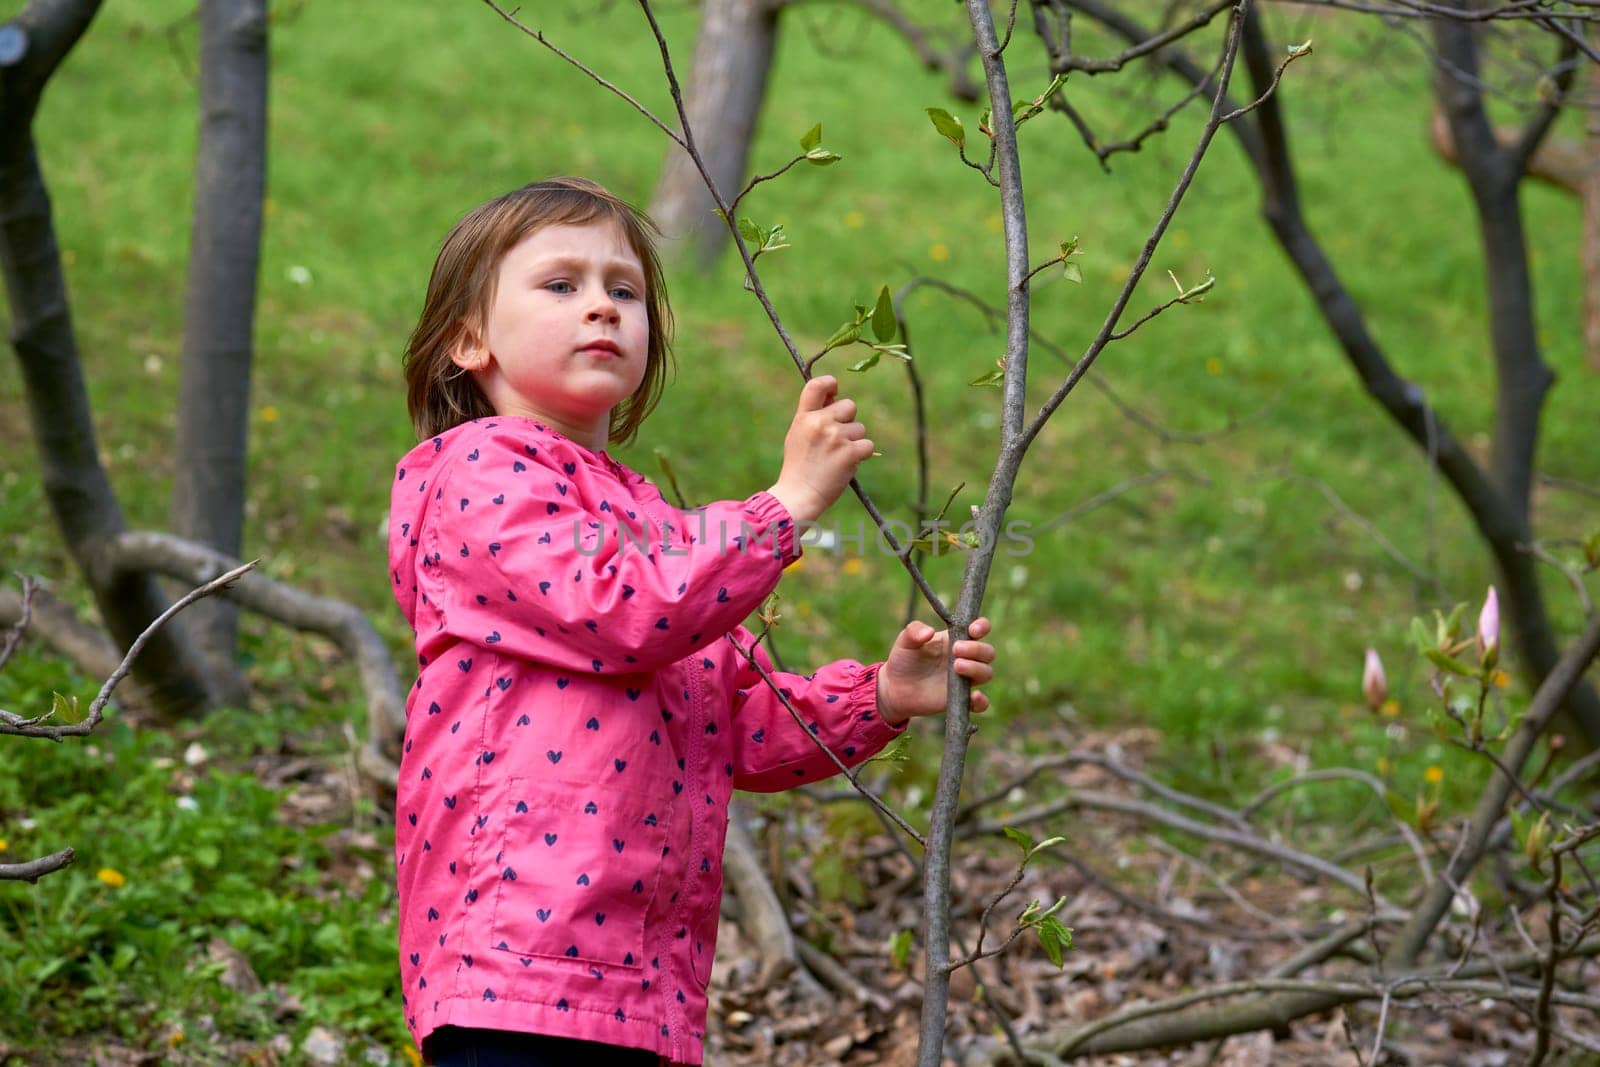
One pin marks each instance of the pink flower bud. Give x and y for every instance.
(1489, 623)
(1373, 685)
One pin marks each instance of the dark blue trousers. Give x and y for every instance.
(455, 1046)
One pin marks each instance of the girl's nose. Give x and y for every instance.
(603, 309)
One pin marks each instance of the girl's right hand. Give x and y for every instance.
(821, 452)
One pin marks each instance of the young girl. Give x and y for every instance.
(582, 715)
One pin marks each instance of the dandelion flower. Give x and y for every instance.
(1433, 775)
(111, 877)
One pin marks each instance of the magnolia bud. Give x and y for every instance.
(1373, 685)
(1489, 626)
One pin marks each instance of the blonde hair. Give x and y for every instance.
(461, 291)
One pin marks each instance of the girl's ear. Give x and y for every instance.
(468, 352)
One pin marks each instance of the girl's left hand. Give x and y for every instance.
(911, 681)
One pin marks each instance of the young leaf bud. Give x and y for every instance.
(1489, 627)
(1373, 685)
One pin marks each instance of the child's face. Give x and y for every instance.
(568, 331)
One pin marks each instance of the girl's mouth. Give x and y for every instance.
(601, 347)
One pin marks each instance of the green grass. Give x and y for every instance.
(1227, 608)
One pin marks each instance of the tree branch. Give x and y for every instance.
(345, 625)
(21, 727)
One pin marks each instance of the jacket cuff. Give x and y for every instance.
(767, 512)
(872, 730)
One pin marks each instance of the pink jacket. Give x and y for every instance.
(576, 731)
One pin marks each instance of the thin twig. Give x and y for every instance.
(847, 772)
(538, 35)
(33, 870)
(29, 588)
(30, 727)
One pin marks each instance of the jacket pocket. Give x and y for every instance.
(579, 866)
(703, 947)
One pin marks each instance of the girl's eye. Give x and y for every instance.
(560, 287)
(623, 292)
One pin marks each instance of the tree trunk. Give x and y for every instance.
(732, 58)
(1521, 376)
(1591, 217)
(1501, 521)
(85, 508)
(219, 310)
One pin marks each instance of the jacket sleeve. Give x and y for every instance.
(839, 704)
(519, 559)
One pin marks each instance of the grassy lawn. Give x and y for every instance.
(1226, 604)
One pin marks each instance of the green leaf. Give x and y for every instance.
(1023, 110)
(865, 363)
(847, 334)
(900, 948)
(1302, 49)
(1452, 624)
(207, 856)
(1072, 272)
(811, 138)
(774, 239)
(1449, 663)
(1055, 937)
(1051, 944)
(1049, 842)
(821, 157)
(883, 322)
(1023, 839)
(1201, 289)
(751, 232)
(994, 377)
(64, 709)
(948, 126)
(1420, 635)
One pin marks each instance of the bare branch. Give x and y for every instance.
(1151, 44)
(1348, 774)
(1539, 126)
(538, 35)
(1574, 579)
(1230, 52)
(29, 589)
(345, 625)
(1247, 841)
(733, 205)
(31, 727)
(846, 771)
(33, 870)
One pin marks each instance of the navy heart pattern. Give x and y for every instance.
(523, 874)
